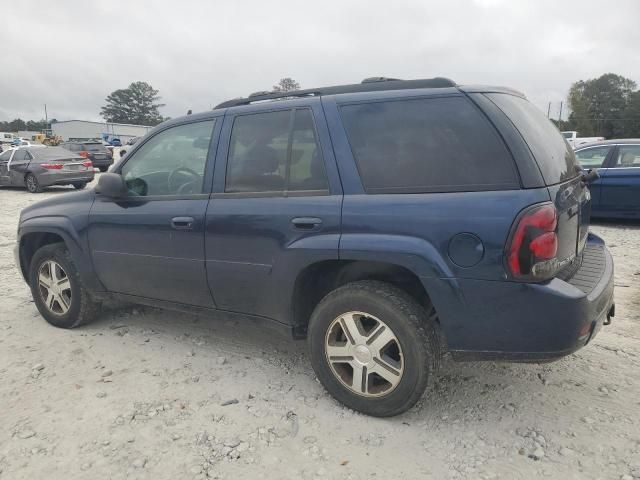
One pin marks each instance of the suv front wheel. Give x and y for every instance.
(57, 288)
(373, 347)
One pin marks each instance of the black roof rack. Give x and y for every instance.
(368, 85)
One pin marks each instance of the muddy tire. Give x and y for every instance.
(57, 289)
(373, 347)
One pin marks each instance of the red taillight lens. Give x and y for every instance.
(87, 163)
(84, 154)
(51, 166)
(533, 243)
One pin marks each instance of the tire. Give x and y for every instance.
(31, 182)
(103, 169)
(81, 308)
(414, 351)
(79, 186)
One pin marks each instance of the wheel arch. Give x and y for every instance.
(36, 233)
(315, 281)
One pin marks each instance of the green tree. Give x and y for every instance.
(286, 84)
(632, 116)
(599, 105)
(138, 104)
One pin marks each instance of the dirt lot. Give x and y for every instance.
(141, 393)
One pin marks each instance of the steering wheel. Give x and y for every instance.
(182, 186)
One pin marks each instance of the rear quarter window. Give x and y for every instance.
(424, 145)
(553, 154)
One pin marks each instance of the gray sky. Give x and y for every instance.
(71, 54)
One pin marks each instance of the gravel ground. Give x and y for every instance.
(142, 393)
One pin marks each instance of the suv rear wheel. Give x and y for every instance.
(57, 288)
(373, 347)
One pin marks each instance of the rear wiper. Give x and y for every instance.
(590, 176)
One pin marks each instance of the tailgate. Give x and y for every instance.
(573, 203)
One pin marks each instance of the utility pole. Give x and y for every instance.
(549, 110)
(560, 117)
(46, 118)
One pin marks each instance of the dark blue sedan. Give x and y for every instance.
(616, 194)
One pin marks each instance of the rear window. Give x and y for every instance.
(553, 154)
(427, 145)
(94, 147)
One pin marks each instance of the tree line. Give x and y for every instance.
(607, 106)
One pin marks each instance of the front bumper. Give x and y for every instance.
(487, 320)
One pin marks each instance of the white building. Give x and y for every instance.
(85, 130)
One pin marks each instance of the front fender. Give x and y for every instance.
(63, 227)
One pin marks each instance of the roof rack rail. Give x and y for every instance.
(370, 84)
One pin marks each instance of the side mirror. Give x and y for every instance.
(591, 176)
(111, 185)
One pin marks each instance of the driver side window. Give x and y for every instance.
(170, 163)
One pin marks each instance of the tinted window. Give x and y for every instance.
(19, 156)
(5, 156)
(94, 147)
(592, 157)
(551, 151)
(170, 163)
(427, 145)
(628, 156)
(273, 152)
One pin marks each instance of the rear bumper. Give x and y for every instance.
(525, 321)
(104, 162)
(56, 178)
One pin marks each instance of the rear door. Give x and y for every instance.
(18, 167)
(621, 185)
(4, 167)
(596, 157)
(560, 171)
(275, 207)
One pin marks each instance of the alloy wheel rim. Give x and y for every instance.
(364, 354)
(55, 287)
(31, 182)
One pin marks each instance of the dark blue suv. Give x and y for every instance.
(386, 222)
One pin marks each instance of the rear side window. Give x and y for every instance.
(427, 145)
(553, 154)
(628, 156)
(95, 147)
(275, 152)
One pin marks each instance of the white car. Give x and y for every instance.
(572, 138)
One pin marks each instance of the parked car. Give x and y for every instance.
(115, 142)
(39, 167)
(616, 194)
(575, 141)
(384, 222)
(6, 138)
(100, 156)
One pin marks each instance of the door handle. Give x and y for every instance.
(306, 223)
(182, 223)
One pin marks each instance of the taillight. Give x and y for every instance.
(533, 244)
(87, 163)
(52, 166)
(84, 154)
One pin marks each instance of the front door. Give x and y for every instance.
(276, 206)
(151, 243)
(621, 184)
